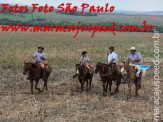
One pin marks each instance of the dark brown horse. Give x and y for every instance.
(107, 77)
(130, 73)
(35, 75)
(84, 75)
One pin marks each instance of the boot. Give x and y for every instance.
(74, 75)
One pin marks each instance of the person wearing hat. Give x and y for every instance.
(112, 60)
(84, 61)
(134, 57)
(112, 56)
(40, 56)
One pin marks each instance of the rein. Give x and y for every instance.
(103, 71)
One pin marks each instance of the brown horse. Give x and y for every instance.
(107, 77)
(35, 74)
(130, 73)
(84, 75)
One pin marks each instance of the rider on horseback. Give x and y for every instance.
(39, 57)
(84, 60)
(112, 60)
(135, 58)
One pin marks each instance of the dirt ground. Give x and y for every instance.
(64, 102)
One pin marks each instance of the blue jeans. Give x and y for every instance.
(123, 79)
(140, 76)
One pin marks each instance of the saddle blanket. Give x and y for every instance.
(144, 67)
(91, 66)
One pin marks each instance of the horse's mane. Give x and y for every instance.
(137, 68)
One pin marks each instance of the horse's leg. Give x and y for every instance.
(130, 85)
(31, 81)
(104, 88)
(107, 84)
(43, 86)
(87, 84)
(136, 89)
(36, 85)
(117, 83)
(46, 81)
(81, 83)
(110, 85)
(46, 85)
(90, 83)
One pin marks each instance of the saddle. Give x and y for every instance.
(91, 66)
(43, 64)
(90, 69)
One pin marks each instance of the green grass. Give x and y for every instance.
(63, 51)
(57, 18)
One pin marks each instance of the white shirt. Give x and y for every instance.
(84, 59)
(38, 54)
(114, 56)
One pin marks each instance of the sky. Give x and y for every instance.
(128, 5)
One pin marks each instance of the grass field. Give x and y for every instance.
(100, 19)
(64, 101)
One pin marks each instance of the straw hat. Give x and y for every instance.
(132, 48)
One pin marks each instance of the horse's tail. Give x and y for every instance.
(143, 73)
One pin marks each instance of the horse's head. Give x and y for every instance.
(78, 68)
(126, 67)
(98, 67)
(27, 67)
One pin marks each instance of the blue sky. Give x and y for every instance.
(131, 5)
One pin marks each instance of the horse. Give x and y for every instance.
(131, 74)
(107, 77)
(84, 75)
(35, 74)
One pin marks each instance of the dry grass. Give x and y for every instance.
(64, 101)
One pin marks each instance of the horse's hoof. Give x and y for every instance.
(104, 94)
(116, 91)
(128, 97)
(136, 95)
(40, 91)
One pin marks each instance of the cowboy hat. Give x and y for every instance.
(84, 52)
(111, 47)
(132, 48)
(41, 47)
